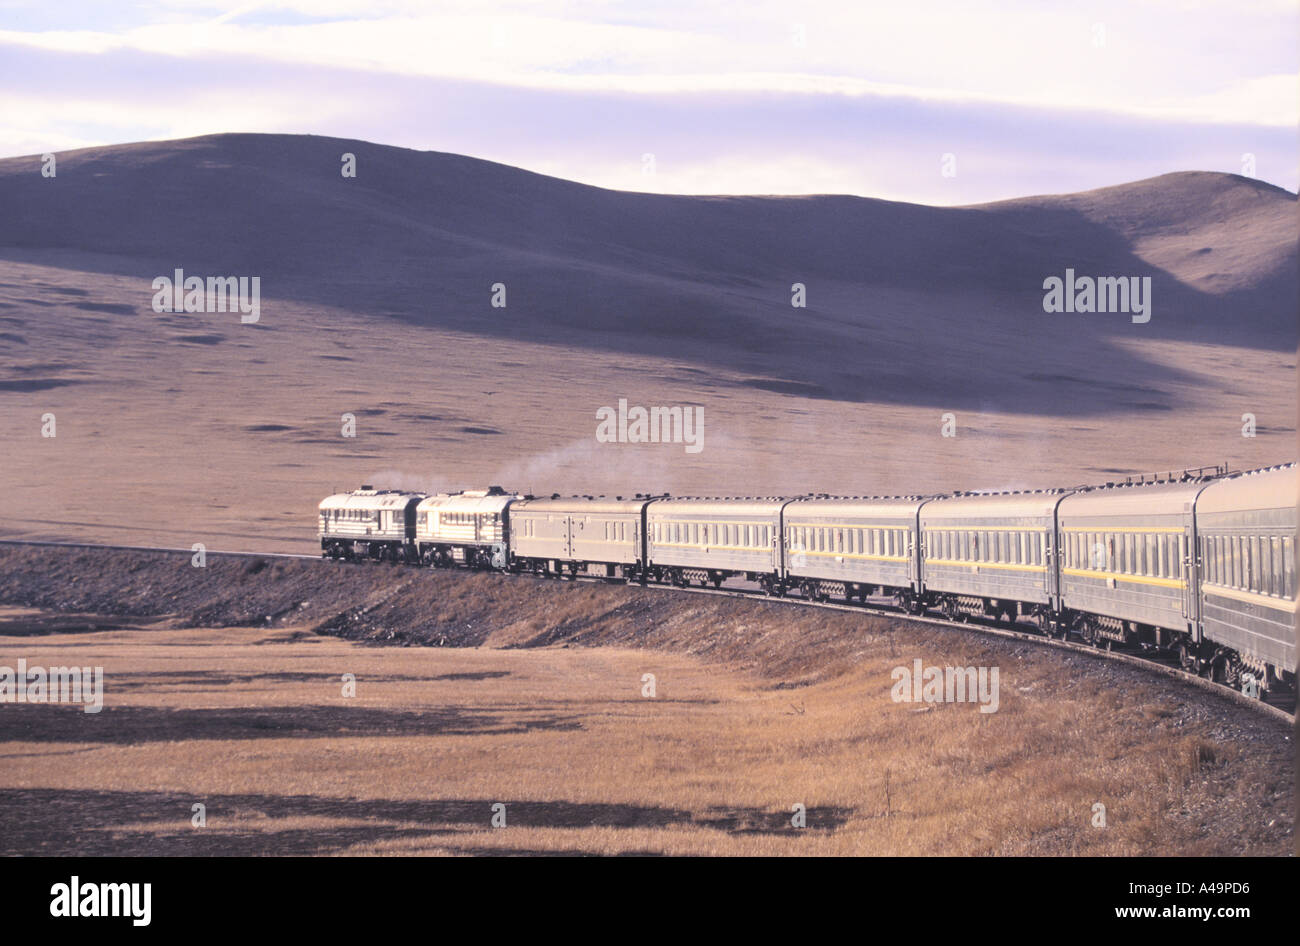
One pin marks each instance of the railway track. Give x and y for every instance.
(1284, 712)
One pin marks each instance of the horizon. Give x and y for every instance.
(527, 170)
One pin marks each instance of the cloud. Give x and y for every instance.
(761, 99)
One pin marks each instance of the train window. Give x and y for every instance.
(1279, 581)
(1288, 566)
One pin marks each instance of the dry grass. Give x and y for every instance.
(252, 723)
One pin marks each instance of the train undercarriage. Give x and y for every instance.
(354, 550)
(1204, 658)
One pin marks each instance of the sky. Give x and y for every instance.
(932, 101)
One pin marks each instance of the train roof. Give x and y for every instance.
(853, 506)
(718, 505)
(1005, 505)
(369, 498)
(491, 500)
(580, 504)
(1138, 499)
(1271, 488)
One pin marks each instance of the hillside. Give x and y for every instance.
(376, 301)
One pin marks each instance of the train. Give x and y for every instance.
(1199, 565)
